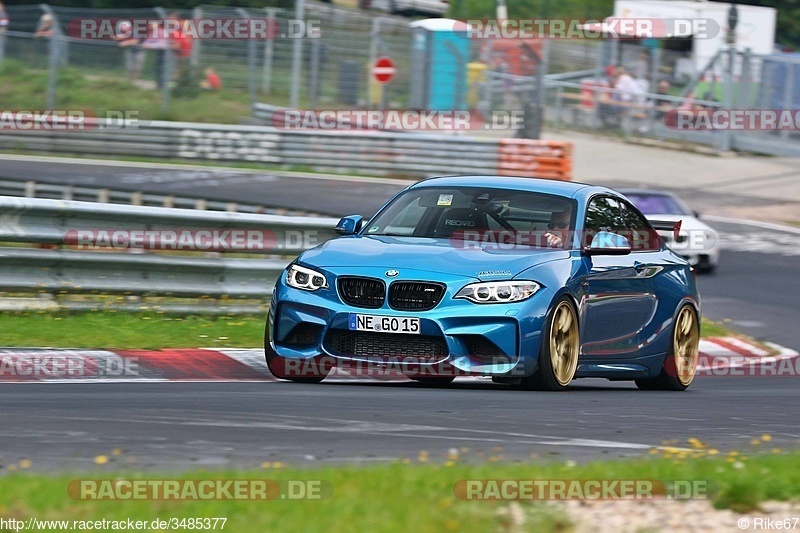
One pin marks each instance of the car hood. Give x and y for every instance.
(429, 255)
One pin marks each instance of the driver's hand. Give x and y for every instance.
(553, 241)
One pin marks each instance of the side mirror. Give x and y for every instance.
(349, 225)
(608, 243)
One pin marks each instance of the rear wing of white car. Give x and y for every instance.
(667, 225)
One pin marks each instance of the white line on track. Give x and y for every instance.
(412, 431)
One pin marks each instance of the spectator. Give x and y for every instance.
(180, 42)
(134, 53)
(157, 41)
(608, 110)
(45, 27)
(212, 82)
(662, 105)
(611, 73)
(641, 68)
(690, 103)
(627, 92)
(626, 85)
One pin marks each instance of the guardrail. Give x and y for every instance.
(73, 269)
(57, 191)
(375, 152)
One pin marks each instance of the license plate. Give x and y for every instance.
(384, 324)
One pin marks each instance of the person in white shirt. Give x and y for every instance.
(627, 86)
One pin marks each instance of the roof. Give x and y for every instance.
(545, 186)
(440, 24)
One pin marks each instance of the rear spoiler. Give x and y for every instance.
(667, 225)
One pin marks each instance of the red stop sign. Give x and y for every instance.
(383, 70)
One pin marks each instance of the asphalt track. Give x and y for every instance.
(173, 426)
(179, 425)
(336, 197)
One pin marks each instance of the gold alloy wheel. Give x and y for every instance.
(564, 343)
(686, 345)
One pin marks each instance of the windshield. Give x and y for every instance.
(657, 204)
(450, 213)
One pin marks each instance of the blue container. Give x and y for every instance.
(439, 57)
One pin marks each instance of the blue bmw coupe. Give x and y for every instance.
(532, 282)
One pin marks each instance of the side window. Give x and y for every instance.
(601, 215)
(636, 229)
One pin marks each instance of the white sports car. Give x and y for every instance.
(697, 242)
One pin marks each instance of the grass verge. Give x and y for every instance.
(25, 88)
(407, 495)
(110, 329)
(107, 328)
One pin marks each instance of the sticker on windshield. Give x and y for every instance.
(373, 229)
(445, 199)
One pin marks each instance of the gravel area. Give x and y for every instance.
(623, 516)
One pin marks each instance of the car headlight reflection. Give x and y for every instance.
(306, 279)
(495, 292)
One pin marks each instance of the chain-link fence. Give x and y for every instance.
(726, 104)
(337, 47)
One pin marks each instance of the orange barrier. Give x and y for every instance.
(535, 159)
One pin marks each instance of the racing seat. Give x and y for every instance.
(460, 219)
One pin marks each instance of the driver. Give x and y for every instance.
(558, 229)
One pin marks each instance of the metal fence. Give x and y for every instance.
(731, 81)
(60, 267)
(332, 67)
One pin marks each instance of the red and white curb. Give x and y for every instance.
(734, 356)
(718, 356)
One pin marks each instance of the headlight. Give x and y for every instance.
(305, 278)
(495, 292)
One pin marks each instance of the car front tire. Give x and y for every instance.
(560, 347)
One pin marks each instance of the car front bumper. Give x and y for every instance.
(456, 337)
